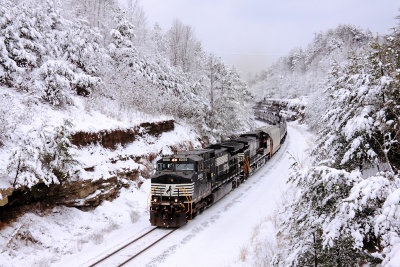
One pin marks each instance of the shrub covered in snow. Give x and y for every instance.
(43, 157)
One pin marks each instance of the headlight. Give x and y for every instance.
(176, 200)
(155, 199)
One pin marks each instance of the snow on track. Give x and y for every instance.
(216, 237)
(134, 248)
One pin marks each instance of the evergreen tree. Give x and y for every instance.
(7, 64)
(43, 157)
(342, 213)
(361, 122)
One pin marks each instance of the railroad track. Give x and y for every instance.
(134, 248)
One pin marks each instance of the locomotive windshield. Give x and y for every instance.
(165, 166)
(175, 166)
(184, 167)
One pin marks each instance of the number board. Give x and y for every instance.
(183, 159)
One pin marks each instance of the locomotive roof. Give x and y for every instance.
(188, 155)
(218, 148)
(233, 145)
(253, 133)
(245, 139)
(196, 151)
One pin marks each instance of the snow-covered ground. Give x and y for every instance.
(228, 233)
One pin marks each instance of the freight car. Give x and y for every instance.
(186, 183)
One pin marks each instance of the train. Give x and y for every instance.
(186, 183)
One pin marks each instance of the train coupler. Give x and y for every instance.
(167, 216)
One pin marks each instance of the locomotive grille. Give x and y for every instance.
(221, 160)
(173, 190)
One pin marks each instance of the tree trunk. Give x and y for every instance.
(212, 90)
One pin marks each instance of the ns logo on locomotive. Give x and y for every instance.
(188, 182)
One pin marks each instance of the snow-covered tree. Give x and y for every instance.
(345, 209)
(34, 40)
(184, 48)
(233, 108)
(304, 71)
(19, 43)
(54, 82)
(137, 16)
(229, 99)
(159, 40)
(43, 157)
(362, 122)
(320, 192)
(7, 64)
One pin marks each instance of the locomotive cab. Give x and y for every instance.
(180, 180)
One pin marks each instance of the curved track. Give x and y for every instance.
(134, 248)
(262, 180)
(233, 218)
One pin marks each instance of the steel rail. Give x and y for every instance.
(121, 248)
(146, 248)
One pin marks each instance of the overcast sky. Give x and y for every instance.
(251, 34)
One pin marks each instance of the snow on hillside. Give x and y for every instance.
(25, 119)
(37, 239)
(67, 69)
(304, 71)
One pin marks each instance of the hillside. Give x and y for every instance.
(345, 205)
(63, 72)
(304, 71)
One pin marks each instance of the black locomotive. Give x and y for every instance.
(188, 182)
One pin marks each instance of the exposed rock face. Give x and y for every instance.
(86, 194)
(80, 194)
(111, 138)
(89, 194)
(4, 194)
